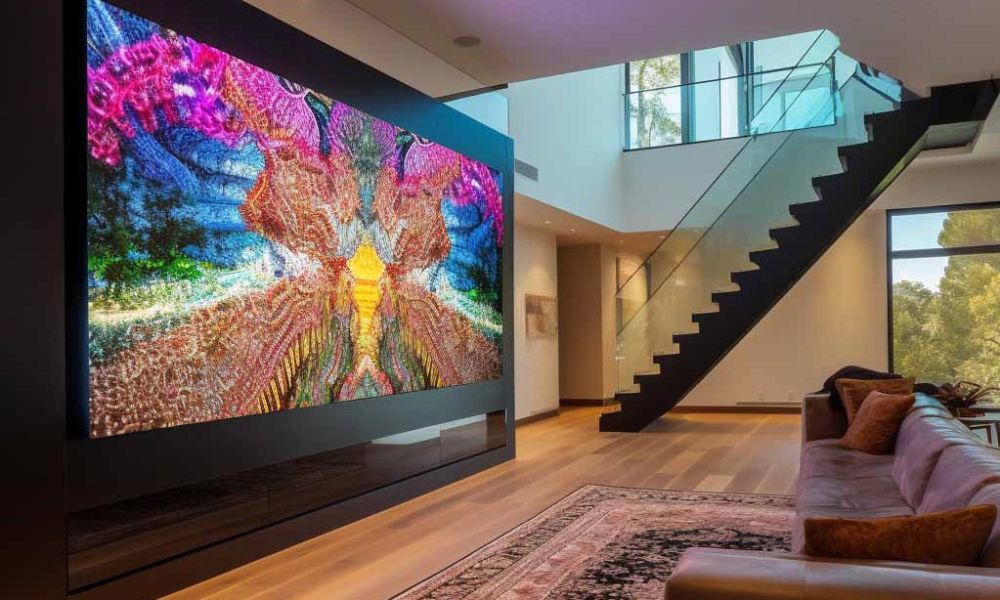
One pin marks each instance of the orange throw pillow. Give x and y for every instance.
(954, 537)
(854, 391)
(877, 423)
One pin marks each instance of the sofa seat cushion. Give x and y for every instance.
(798, 525)
(922, 438)
(827, 458)
(991, 553)
(960, 473)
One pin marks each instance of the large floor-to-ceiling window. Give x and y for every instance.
(720, 92)
(944, 305)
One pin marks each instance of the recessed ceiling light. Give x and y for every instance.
(571, 230)
(466, 41)
(663, 237)
(548, 222)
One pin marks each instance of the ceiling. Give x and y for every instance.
(921, 42)
(573, 230)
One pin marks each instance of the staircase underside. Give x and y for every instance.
(950, 116)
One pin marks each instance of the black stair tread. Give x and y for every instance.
(739, 277)
(854, 153)
(680, 338)
(720, 297)
(841, 197)
(818, 213)
(704, 317)
(762, 256)
(787, 234)
(619, 396)
(831, 180)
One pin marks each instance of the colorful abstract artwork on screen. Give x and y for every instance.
(256, 246)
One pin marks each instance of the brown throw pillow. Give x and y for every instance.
(854, 391)
(877, 423)
(954, 537)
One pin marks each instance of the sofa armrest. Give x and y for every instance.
(822, 419)
(714, 574)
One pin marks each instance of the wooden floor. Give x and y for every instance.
(384, 554)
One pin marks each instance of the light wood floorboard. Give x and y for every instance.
(384, 554)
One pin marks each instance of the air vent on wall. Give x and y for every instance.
(523, 168)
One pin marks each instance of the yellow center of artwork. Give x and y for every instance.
(367, 269)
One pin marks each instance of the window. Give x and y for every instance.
(944, 303)
(654, 101)
(724, 92)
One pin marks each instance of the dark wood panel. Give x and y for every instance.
(32, 414)
(196, 566)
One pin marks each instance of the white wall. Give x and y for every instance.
(836, 314)
(609, 324)
(490, 109)
(536, 361)
(570, 128)
(661, 184)
(353, 31)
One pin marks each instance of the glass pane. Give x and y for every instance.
(652, 73)
(732, 106)
(731, 219)
(716, 63)
(946, 318)
(793, 99)
(774, 53)
(951, 229)
(655, 117)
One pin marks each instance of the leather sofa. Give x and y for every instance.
(938, 464)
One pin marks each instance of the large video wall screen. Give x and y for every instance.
(254, 245)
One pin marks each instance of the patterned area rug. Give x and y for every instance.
(608, 543)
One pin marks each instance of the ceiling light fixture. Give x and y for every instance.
(466, 41)
(548, 222)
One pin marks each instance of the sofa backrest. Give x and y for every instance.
(923, 436)
(960, 473)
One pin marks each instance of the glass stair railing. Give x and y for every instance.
(798, 133)
(730, 107)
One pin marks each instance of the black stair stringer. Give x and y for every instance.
(896, 138)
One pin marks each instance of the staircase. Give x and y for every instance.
(778, 206)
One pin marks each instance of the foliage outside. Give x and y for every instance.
(953, 334)
(655, 124)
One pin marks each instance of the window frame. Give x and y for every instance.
(891, 254)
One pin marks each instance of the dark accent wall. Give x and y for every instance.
(50, 466)
(32, 411)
